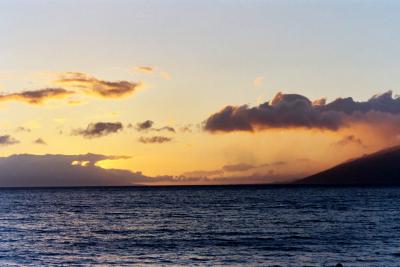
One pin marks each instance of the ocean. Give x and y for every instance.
(200, 226)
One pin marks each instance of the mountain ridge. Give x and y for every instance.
(379, 168)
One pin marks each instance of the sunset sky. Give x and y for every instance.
(160, 88)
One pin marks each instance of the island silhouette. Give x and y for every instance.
(379, 168)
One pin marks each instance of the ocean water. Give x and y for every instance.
(201, 226)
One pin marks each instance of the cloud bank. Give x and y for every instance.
(297, 111)
(59, 170)
(55, 170)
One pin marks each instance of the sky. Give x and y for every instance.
(197, 91)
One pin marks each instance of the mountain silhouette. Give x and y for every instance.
(379, 168)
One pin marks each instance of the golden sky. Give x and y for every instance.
(181, 96)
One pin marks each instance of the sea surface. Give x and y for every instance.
(200, 226)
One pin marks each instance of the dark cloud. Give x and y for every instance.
(145, 125)
(93, 86)
(155, 139)
(238, 167)
(297, 111)
(37, 96)
(68, 170)
(349, 140)
(99, 129)
(6, 140)
(39, 141)
(148, 126)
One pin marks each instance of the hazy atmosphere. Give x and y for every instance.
(193, 92)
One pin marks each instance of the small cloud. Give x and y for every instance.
(186, 129)
(145, 125)
(37, 96)
(23, 129)
(99, 129)
(6, 140)
(93, 86)
(39, 141)
(349, 140)
(144, 69)
(258, 81)
(238, 167)
(165, 128)
(155, 140)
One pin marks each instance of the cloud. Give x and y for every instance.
(23, 129)
(59, 170)
(52, 170)
(39, 141)
(238, 167)
(37, 96)
(99, 129)
(148, 126)
(155, 140)
(186, 129)
(233, 169)
(165, 128)
(202, 174)
(144, 69)
(297, 111)
(6, 140)
(93, 86)
(145, 125)
(55, 170)
(349, 140)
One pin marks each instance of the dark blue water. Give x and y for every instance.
(256, 226)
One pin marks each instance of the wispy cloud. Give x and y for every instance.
(144, 69)
(238, 167)
(37, 96)
(23, 129)
(147, 125)
(155, 140)
(349, 140)
(92, 86)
